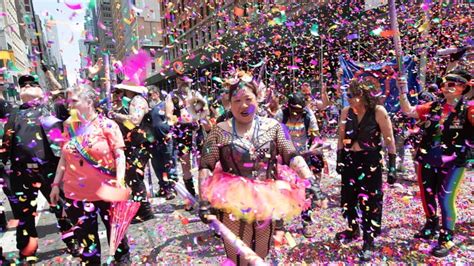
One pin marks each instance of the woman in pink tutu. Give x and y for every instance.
(239, 175)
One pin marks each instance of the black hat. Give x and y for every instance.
(296, 100)
(27, 78)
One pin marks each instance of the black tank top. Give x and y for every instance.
(366, 133)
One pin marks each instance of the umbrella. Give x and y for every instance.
(122, 214)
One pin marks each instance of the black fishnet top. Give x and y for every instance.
(255, 158)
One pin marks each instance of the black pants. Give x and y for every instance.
(85, 215)
(316, 164)
(134, 177)
(362, 189)
(24, 185)
(162, 162)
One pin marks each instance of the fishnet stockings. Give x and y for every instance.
(256, 235)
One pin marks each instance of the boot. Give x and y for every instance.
(367, 251)
(144, 213)
(348, 235)
(189, 184)
(3, 221)
(72, 247)
(430, 230)
(445, 244)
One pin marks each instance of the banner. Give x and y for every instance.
(388, 85)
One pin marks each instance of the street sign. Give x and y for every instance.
(371, 4)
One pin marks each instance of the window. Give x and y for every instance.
(153, 67)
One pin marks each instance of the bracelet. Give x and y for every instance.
(54, 185)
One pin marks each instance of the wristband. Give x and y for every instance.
(54, 185)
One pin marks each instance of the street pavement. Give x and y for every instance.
(177, 237)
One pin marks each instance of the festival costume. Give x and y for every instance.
(89, 152)
(137, 156)
(442, 157)
(249, 188)
(362, 177)
(30, 145)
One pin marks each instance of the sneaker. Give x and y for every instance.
(366, 252)
(348, 236)
(28, 260)
(443, 249)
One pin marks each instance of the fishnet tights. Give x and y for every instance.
(256, 235)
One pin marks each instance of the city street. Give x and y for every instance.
(179, 237)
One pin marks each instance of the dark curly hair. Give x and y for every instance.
(368, 89)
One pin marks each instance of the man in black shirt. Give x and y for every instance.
(29, 144)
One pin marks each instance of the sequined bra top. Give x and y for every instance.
(255, 157)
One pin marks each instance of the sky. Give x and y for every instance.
(70, 23)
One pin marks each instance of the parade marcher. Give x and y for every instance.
(185, 128)
(311, 102)
(92, 155)
(137, 150)
(29, 143)
(162, 152)
(246, 148)
(359, 162)
(303, 129)
(226, 113)
(442, 154)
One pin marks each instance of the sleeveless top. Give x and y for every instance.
(254, 158)
(367, 133)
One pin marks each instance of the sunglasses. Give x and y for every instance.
(451, 84)
(32, 84)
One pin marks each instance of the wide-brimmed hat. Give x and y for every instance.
(130, 86)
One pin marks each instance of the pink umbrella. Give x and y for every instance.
(122, 214)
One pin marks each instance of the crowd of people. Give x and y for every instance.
(276, 151)
(259, 148)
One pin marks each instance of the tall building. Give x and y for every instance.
(137, 26)
(105, 27)
(206, 34)
(13, 52)
(83, 52)
(54, 54)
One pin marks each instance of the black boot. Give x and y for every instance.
(189, 184)
(144, 213)
(72, 247)
(367, 251)
(348, 235)
(3, 221)
(445, 243)
(430, 230)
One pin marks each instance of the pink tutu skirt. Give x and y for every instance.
(256, 200)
